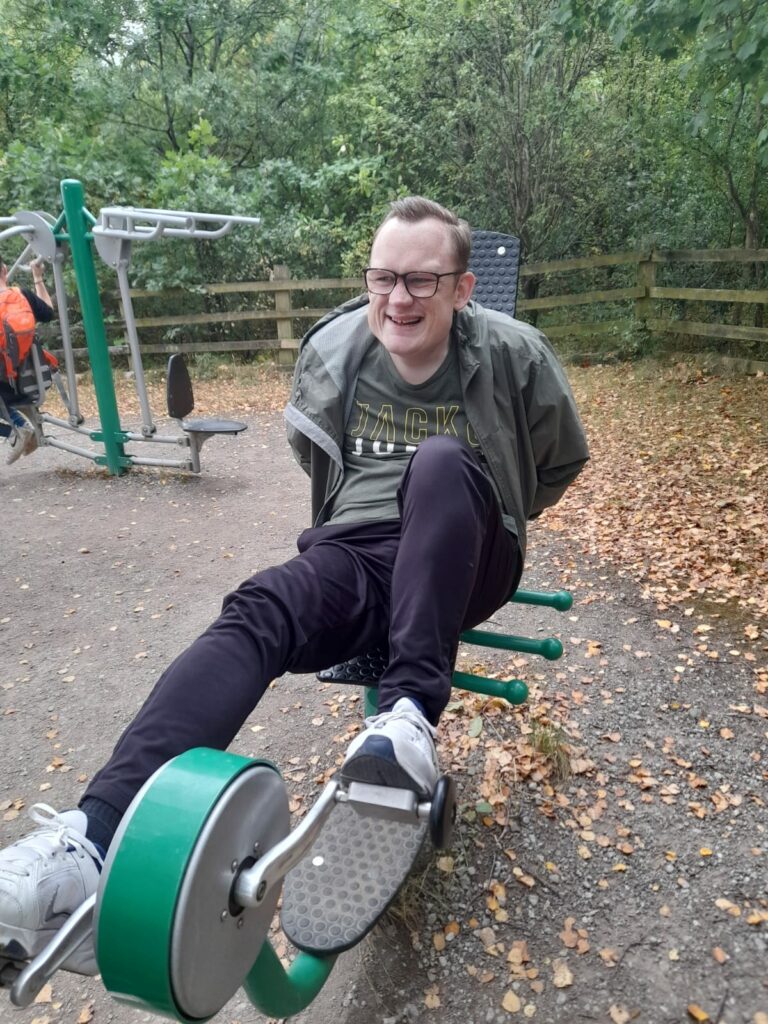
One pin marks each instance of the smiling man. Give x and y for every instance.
(432, 430)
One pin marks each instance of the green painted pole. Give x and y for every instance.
(276, 992)
(371, 701)
(78, 222)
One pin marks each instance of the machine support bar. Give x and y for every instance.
(73, 198)
(73, 407)
(278, 993)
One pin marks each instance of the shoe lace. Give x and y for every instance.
(412, 717)
(54, 837)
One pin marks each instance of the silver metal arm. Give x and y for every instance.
(142, 224)
(254, 884)
(40, 970)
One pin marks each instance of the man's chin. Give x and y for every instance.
(399, 343)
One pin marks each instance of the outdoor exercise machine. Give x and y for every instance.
(76, 232)
(186, 898)
(181, 917)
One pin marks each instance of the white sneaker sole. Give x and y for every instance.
(22, 944)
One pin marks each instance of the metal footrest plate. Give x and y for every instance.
(364, 669)
(333, 898)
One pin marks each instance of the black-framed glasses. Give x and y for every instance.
(421, 284)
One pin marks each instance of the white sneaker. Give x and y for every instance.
(43, 879)
(397, 748)
(22, 441)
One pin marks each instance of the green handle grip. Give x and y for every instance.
(513, 690)
(560, 600)
(549, 648)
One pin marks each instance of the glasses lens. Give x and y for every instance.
(421, 284)
(380, 282)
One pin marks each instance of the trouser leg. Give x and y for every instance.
(455, 565)
(327, 604)
(447, 566)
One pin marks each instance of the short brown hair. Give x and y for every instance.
(416, 208)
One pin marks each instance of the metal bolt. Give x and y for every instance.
(256, 847)
(234, 866)
(261, 892)
(223, 915)
(240, 922)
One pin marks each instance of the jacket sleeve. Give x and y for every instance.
(557, 437)
(300, 444)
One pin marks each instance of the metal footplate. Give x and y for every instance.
(337, 894)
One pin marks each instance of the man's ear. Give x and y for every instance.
(464, 287)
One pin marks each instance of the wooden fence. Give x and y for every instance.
(639, 302)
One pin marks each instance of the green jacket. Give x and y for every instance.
(516, 398)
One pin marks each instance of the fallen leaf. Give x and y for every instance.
(562, 975)
(697, 1014)
(45, 994)
(511, 1002)
(619, 1014)
(431, 998)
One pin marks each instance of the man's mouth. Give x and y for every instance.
(405, 321)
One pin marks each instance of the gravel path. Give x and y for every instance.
(634, 890)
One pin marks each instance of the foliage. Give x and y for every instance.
(581, 126)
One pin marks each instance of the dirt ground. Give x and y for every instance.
(631, 889)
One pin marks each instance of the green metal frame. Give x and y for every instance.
(79, 221)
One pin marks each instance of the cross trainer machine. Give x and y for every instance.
(77, 232)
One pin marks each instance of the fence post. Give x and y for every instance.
(646, 279)
(286, 354)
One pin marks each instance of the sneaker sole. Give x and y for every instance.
(377, 772)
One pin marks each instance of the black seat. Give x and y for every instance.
(495, 262)
(180, 400)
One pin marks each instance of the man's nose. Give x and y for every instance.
(400, 293)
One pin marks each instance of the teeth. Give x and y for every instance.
(402, 323)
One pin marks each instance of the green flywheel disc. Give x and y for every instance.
(168, 935)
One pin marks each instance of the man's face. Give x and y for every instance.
(414, 331)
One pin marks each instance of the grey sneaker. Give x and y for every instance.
(397, 748)
(43, 879)
(21, 442)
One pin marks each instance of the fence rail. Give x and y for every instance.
(640, 301)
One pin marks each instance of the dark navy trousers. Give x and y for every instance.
(413, 583)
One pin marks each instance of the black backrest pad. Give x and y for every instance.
(178, 388)
(495, 261)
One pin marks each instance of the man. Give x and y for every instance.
(22, 438)
(432, 430)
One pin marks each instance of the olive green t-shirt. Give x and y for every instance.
(389, 418)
